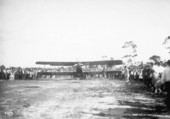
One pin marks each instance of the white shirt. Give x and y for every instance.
(158, 69)
(126, 71)
(166, 75)
(161, 69)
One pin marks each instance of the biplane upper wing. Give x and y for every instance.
(106, 62)
(57, 63)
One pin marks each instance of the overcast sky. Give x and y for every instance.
(70, 30)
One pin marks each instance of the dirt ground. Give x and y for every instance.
(79, 99)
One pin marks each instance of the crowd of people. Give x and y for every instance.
(156, 77)
(12, 73)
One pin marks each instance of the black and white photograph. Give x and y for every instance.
(84, 59)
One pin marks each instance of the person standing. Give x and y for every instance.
(104, 72)
(126, 73)
(166, 80)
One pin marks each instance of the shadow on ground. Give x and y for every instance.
(151, 107)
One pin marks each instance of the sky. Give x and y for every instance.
(81, 30)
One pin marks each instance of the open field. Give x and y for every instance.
(78, 99)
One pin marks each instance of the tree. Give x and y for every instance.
(111, 58)
(2, 67)
(155, 58)
(166, 43)
(104, 57)
(133, 50)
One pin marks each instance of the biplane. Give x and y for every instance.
(79, 72)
